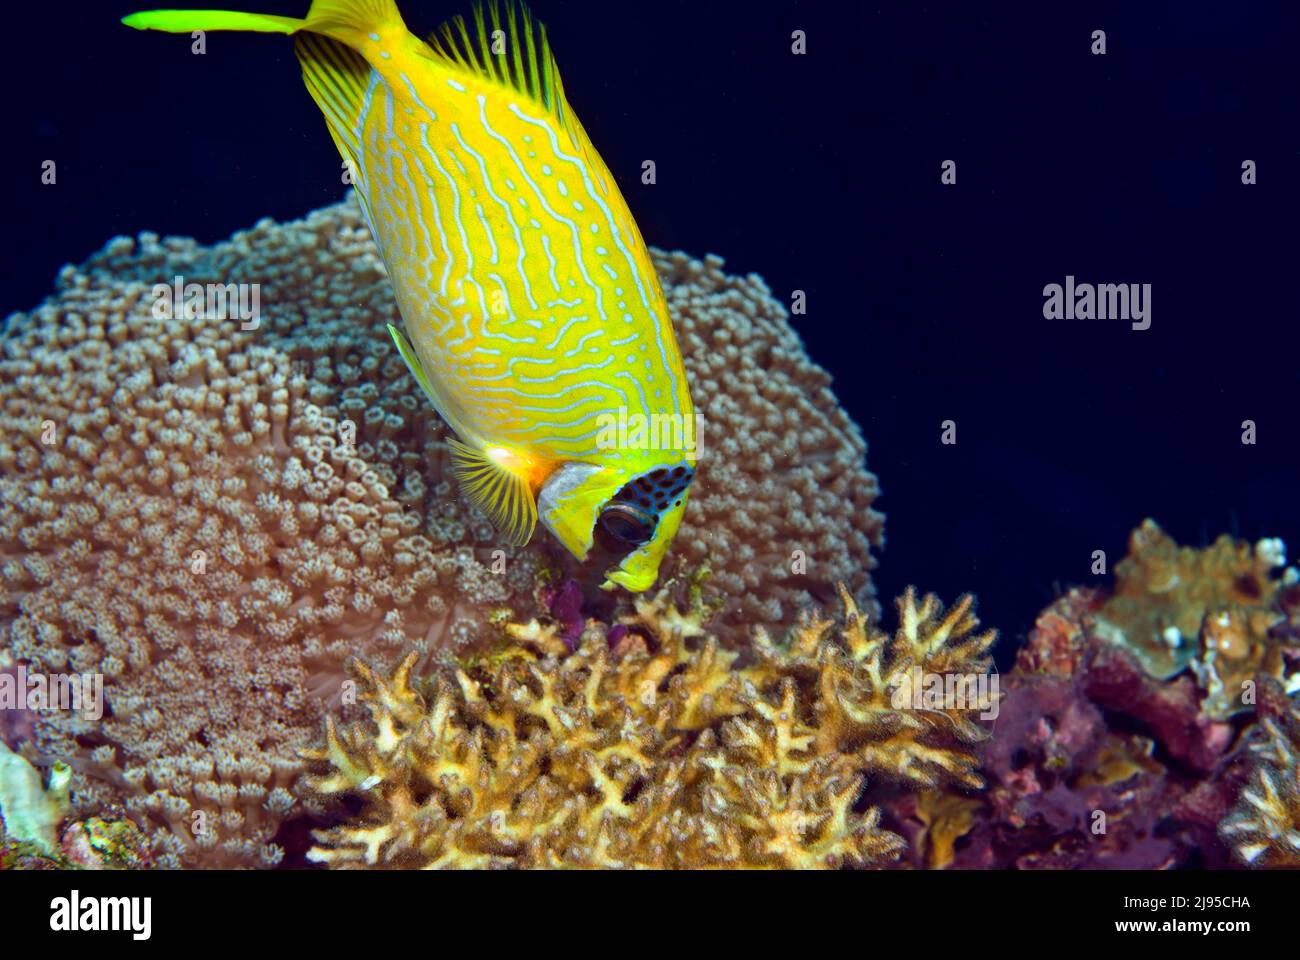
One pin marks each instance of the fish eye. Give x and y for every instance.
(626, 523)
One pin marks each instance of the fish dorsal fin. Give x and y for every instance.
(527, 66)
(503, 496)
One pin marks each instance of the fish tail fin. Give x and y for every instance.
(349, 21)
(326, 43)
(503, 494)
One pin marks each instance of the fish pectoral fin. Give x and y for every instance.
(504, 496)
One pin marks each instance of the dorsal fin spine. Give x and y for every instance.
(516, 49)
(527, 67)
(534, 75)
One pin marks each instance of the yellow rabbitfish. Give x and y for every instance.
(534, 319)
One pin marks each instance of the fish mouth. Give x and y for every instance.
(625, 528)
(637, 570)
(620, 532)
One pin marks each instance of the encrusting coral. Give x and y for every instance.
(1068, 788)
(1095, 763)
(648, 746)
(215, 514)
(1209, 610)
(1264, 829)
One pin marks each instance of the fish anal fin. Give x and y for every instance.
(503, 495)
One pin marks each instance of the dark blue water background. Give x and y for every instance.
(821, 173)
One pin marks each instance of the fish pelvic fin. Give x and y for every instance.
(446, 410)
(346, 20)
(498, 487)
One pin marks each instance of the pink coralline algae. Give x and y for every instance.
(1092, 764)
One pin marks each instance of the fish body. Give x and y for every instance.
(533, 316)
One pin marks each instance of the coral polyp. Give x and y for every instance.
(660, 751)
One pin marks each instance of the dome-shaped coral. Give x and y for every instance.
(215, 514)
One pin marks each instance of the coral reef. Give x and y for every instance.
(1132, 717)
(933, 822)
(1210, 610)
(106, 843)
(1093, 764)
(97, 843)
(1264, 829)
(215, 514)
(649, 746)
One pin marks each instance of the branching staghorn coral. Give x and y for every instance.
(1264, 829)
(186, 508)
(661, 752)
(872, 698)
